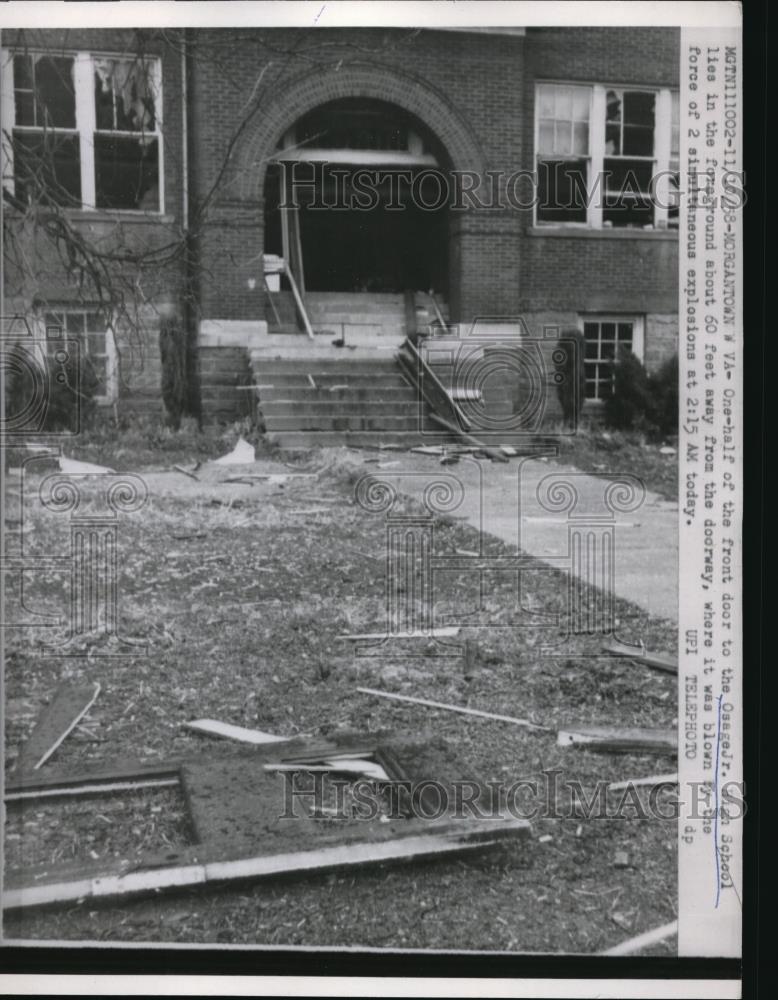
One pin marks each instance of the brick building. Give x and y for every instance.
(409, 156)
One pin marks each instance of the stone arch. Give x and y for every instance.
(358, 80)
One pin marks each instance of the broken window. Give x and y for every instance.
(46, 153)
(126, 144)
(629, 157)
(604, 338)
(86, 130)
(92, 331)
(606, 156)
(562, 152)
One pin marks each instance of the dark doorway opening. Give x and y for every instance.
(372, 193)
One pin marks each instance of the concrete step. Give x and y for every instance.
(304, 440)
(342, 422)
(334, 407)
(364, 393)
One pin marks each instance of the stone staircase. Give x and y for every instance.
(363, 402)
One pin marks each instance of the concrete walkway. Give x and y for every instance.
(503, 500)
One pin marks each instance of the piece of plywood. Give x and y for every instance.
(644, 940)
(69, 705)
(613, 740)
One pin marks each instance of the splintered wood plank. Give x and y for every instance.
(96, 780)
(608, 740)
(59, 718)
(641, 655)
(439, 840)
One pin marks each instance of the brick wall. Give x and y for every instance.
(155, 284)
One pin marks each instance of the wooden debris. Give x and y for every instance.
(640, 655)
(343, 765)
(256, 737)
(651, 782)
(186, 472)
(494, 453)
(443, 632)
(644, 940)
(621, 859)
(452, 708)
(95, 780)
(68, 706)
(608, 740)
(440, 840)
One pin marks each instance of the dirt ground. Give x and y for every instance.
(241, 593)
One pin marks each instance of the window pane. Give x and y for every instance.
(638, 141)
(546, 137)
(545, 101)
(581, 104)
(612, 140)
(95, 322)
(46, 168)
(625, 334)
(74, 323)
(99, 367)
(562, 140)
(23, 73)
(591, 331)
(639, 108)
(55, 92)
(581, 138)
(608, 352)
(613, 106)
(96, 343)
(25, 108)
(563, 105)
(124, 95)
(591, 349)
(627, 193)
(562, 191)
(126, 173)
(608, 331)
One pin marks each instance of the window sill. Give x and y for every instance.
(131, 216)
(583, 232)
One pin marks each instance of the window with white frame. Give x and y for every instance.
(95, 337)
(606, 156)
(85, 130)
(604, 338)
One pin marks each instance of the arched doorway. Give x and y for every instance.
(369, 182)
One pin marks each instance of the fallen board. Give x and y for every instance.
(639, 655)
(59, 718)
(256, 737)
(441, 840)
(607, 740)
(451, 708)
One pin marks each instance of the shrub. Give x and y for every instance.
(571, 389)
(69, 389)
(643, 402)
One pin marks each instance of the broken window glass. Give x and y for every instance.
(124, 95)
(44, 92)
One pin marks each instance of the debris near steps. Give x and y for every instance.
(60, 717)
(496, 454)
(242, 454)
(452, 708)
(640, 655)
(608, 740)
(186, 472)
